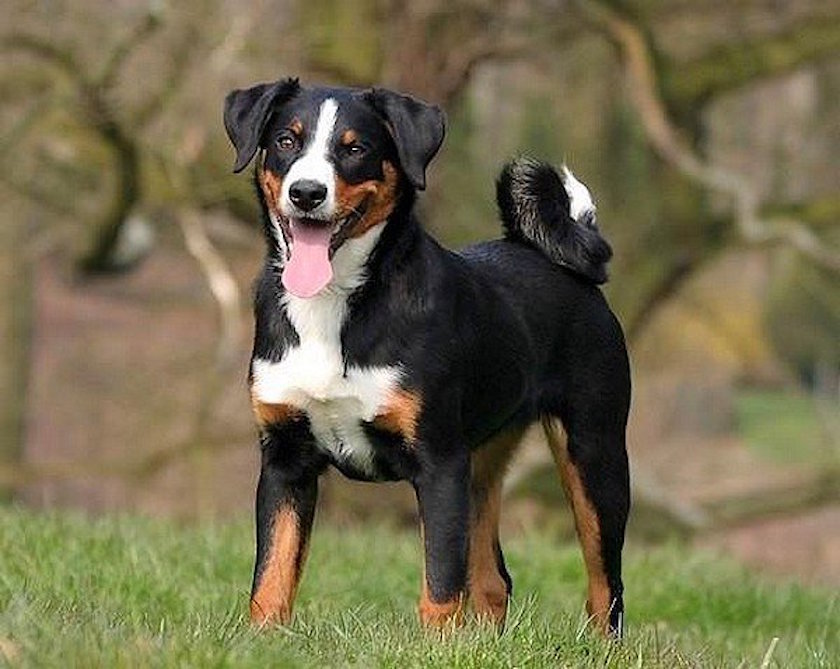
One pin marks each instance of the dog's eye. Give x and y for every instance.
(286, 142)
(356, 150)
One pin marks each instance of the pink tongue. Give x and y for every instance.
(309, 268)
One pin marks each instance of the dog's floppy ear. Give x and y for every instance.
(417, 129)
(247, 112)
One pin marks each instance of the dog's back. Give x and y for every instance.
(546, 271)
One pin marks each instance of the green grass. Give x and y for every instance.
(136, 592)
(782, 426)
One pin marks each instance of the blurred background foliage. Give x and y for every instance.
(708, 131)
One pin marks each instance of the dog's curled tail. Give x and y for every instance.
(555, 213)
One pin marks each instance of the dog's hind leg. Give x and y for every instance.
(489, 582)
(594, 471)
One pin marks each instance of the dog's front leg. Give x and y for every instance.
(442, 489)
(286, 496)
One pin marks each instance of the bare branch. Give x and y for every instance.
(670, 146)
(233, 42)
(180, 61)
(674, 278)
(139, 34)
(36, 195)
(729, 67)
(9, 142)
(62, 59)
(459, 66)
(220, 281)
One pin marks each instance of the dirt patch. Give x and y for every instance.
(805, 545)
(118, 373)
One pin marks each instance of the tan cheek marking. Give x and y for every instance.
(272, 185)
(383, 196)
(401, 414)
(273, 598)
(350, 197)
(587, 525)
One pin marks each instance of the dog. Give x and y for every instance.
(381, 353)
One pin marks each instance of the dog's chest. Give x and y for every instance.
(312, 377)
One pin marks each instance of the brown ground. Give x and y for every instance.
(805, 546)
(118, 367)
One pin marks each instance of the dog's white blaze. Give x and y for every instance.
(580, 200)
(312, 376)
(314, 164)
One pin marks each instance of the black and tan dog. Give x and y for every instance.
(383, 354)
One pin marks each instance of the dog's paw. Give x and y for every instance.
(264, 614)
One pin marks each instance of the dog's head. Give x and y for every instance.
(335, 162)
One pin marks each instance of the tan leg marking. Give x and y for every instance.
(438, 615)
(487, 588)
(586, 523)
(275, 594)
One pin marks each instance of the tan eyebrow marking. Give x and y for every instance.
(348, 137)
(296, 127)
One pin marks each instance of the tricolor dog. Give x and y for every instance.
(381, 353)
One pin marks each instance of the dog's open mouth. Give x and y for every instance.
(312, 243)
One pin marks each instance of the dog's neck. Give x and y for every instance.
(400, 236)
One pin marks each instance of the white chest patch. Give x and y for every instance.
(312, 376)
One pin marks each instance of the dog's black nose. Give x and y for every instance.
(307, 194)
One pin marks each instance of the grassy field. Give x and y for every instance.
(136, 592)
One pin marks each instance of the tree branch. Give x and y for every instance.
(674, 278)
(139, 34)
(666, 141)
(13, 136)
(220, 281)
(729, 67)
(180, 61)
(62, 59)
(459, 67)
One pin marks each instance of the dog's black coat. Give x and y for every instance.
(494, 337)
